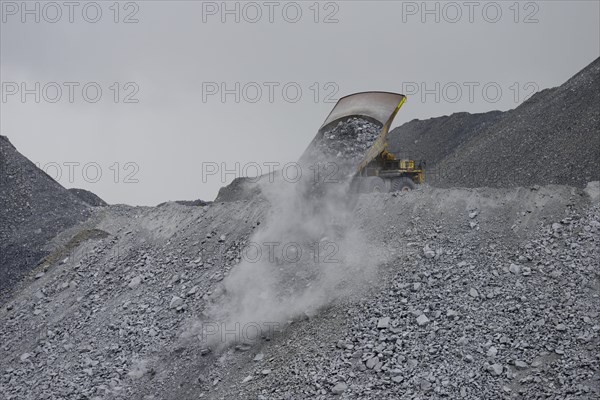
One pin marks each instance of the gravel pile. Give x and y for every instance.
(487, 322)
(434, 139)
(33, 209)
(112, 314)
(468, 307)
(88, 197)
(189, 203)
(554, 137)
(475, 301)
(239, 189)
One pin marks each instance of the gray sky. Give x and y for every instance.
(281, 66)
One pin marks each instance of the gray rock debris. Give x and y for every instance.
(521, 365)
(515, 269)
(175, 302)
(351, 341)
(428, 252)
(422, 320)
(339, 388)
(135, 282)
(495, 369)
(383, 323)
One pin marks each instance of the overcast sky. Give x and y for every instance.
(188, 86)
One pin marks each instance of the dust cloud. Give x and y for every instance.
(307, 254)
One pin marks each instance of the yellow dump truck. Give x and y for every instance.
(379, 170)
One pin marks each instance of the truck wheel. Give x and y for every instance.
(355, 186)
(403, 184)
(373, 184)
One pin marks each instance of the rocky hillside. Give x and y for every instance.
(33, 209)
(553, 137)
(486, 293)
(88, 197)
(434, 139)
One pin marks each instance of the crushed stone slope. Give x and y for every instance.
(554, 137)
(506, 280)
(33, 209)
(436, 138)
(88, 197)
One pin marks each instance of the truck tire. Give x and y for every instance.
(373, 184)
(355, 186)
(403, 184)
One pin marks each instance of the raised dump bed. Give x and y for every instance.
(351, 145)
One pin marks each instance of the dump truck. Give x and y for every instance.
(378, 170)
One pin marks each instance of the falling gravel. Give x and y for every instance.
(347, 140)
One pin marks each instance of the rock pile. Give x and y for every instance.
(507, 309)
(552, 138)
(33, 209)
